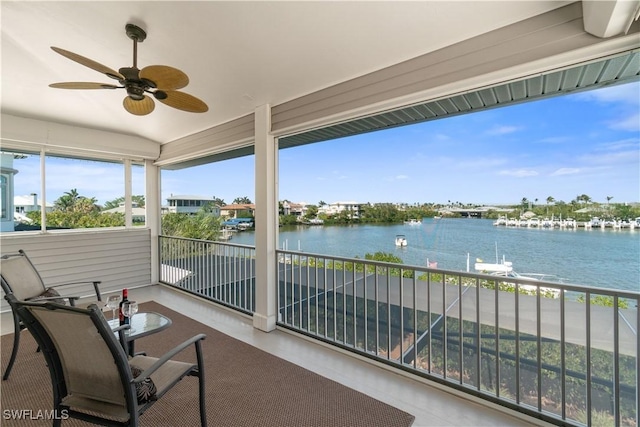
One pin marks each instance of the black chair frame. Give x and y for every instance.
(17, 324)
(56, 370)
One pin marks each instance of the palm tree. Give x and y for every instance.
(67, 200)
(242, 201)
(549, 200)
(608, 199)
(584, 198)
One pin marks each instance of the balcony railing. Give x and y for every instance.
(563, 353)
(223, 273)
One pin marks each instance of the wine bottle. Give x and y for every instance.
(124, 320)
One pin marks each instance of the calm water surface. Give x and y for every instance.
(602, 258)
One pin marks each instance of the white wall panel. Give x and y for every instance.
(119, 258)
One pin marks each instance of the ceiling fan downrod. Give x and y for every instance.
(136, 34)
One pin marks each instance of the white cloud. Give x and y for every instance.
(555, 139)
(441, 137)
(626, 93)
(401, 177)
(612, 158)
(631, 123)
(519, 173)
(622, 144)
(502, 130)
(565, 171)
(482, 162)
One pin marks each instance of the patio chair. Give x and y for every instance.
(92, 377)
(20, 278)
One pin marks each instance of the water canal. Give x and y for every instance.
(603, 258)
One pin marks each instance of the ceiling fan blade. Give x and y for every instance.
(83, 85)
(139, 108)
(182, 101)
(89, 63)
(165, 77)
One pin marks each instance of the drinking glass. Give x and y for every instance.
(113, 302)
(129, 309)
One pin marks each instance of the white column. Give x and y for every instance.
(266, 222)
(152, 203)
(43, 192)
(128, 215)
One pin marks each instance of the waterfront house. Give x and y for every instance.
(191, 204)
(352, 209)
(245, 210)
(283, 74)
(297, 209)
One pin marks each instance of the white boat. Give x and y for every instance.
(493, 268)
(502, 220)
(401, 241)
(505, 269)
(413, 221)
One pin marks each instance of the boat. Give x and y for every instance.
(401, 240)
(505, 269)
(413, 221)
(502, 220)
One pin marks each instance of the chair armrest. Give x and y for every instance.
(120, 330)
(72, 299)
(95, 284)
(167, 356)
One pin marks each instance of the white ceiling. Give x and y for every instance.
(238, 55)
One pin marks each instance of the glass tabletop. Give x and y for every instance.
(143, 324)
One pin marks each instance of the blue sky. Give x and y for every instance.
(584, 143)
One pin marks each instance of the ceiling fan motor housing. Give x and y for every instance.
(134, 84)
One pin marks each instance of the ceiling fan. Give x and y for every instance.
(161, 81)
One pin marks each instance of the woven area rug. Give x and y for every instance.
(245, 387)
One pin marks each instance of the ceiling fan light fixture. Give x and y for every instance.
(140, 107)
(135, 93)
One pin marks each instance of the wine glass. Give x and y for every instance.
(113, 302)
(129, 309)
